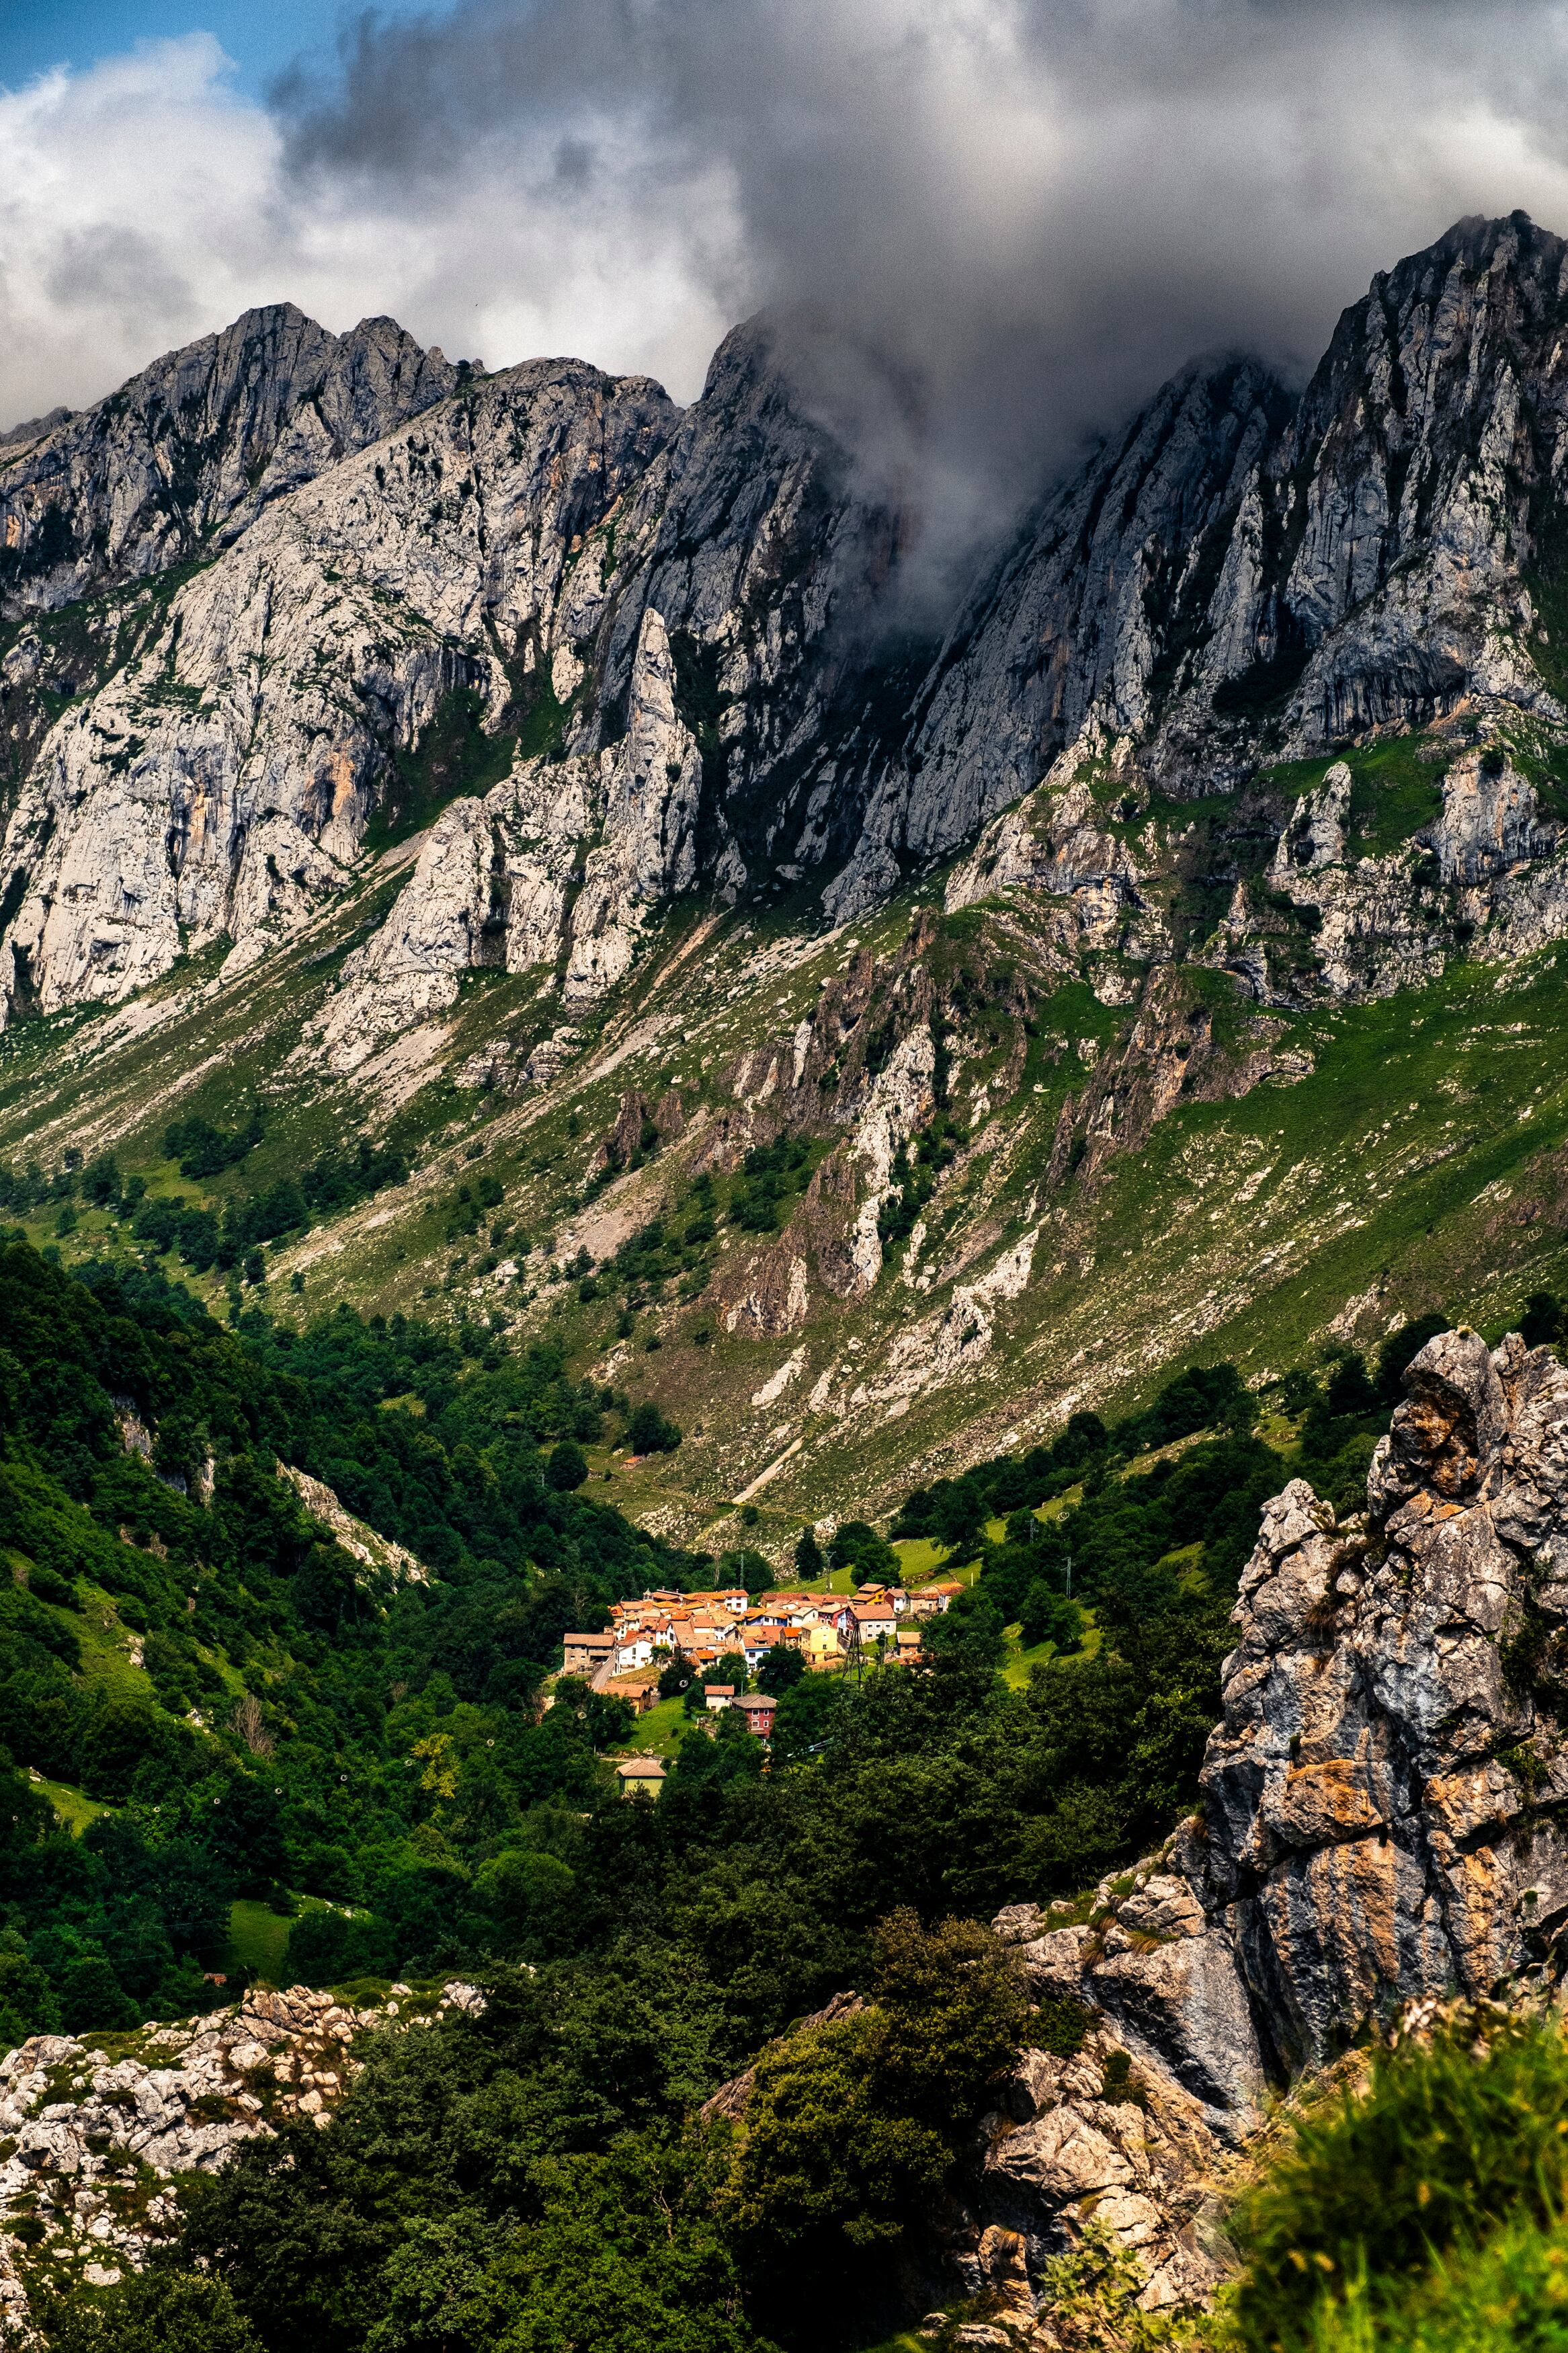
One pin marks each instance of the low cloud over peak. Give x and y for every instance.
(1007, 220)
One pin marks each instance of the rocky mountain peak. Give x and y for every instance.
(615, 652)
(204, 437)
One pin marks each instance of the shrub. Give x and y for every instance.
(329, 1947)
(856, 1545)
(203, 1150)
(852, 2127)
(1543, 1319)
(648, 1433)
(568, 1466)
(780, 1670)
(1047, 1616)
(676, 1679)
(160, 2310)
(1374, 2192)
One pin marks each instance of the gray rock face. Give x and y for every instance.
(1380, 1826)
(1085, 611)
(199, 441)
(79, 2124)
(219, 785)
(1379, 1798)
(1356, 561)
(634, 652)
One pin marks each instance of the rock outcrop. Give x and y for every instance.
(1381, 1827)
(198, 444)
(1354, 561)
(87, 2141)
(1381, 1800)
(219, 786)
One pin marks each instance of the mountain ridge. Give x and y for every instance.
(536, 777)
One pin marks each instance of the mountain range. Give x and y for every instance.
(871, 1041)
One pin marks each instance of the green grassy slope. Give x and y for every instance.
(1418, 1164)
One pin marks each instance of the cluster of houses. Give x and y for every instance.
(829, 1630)
(825, 1629)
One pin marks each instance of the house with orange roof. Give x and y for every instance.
(874, 1622)
(928, 1601)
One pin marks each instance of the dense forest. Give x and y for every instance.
(257, 1714)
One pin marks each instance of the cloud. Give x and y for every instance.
(994, 224)
(1004, 221)
(143, 204)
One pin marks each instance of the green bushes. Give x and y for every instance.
(856, 1545)
(203, 1150)
(1508, 2295)
(771, 1177)
(157, 2311)
(328, 1947)
(1426, 2209)
(1047, 1615)
(852, 2127)
(648, 1433)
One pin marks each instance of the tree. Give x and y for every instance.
(969, 1638)
(160, 2310)
(610, 1719)
(780, 1670)
(959, 1511)
(627, 2253)
(648, 1431)
(804, 1718)
(28, 2000)
(676, 1679)
(852, 2127)
(745, 1567)
(568, 1466)
(731, 1669)
(856, 1545)
(1047, 1616)
(808, 1556)
(1349, 1391)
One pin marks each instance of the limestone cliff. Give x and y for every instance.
(95, 2140)
(1380, 1828)
(197, 444)
(640, 652)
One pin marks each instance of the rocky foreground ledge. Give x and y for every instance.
(93, 2128)
(1381, 1832)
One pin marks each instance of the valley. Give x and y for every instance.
(782, 1416)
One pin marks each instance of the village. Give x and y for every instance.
(829, 1632)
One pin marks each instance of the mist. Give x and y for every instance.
(1006, 221)
(987, 230)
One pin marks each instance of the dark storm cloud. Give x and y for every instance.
(991, 226)
(1005, 220)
